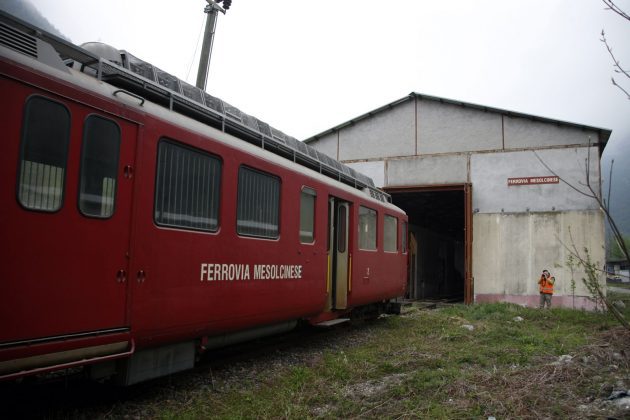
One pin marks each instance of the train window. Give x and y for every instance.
(307, 215)
(390, 234)
(43, 154)
(367, 228)
(99, 167)
(341, 229)
(258, 206)
(404, 238)
(187, 188)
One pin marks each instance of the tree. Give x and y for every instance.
(615, 251)
(610, 5)
(619, 245)
(582, 258)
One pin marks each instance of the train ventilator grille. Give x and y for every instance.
(18, 41)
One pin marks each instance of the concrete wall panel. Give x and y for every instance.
(511, 250)
(386, 134)
(327, 145)
(373, 169)
(444, 128)
(428, 170)
(489, 173)
(524, 133)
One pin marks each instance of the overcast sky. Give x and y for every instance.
(306, 66)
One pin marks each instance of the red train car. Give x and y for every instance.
(145, 221)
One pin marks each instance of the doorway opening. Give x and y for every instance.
(440, 241)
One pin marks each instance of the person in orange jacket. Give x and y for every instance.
(545, 286)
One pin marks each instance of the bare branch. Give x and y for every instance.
(592, 282)
(559, 177)
(615, 230)
(612, 6)
(616, 65)
(612, 162)
(620, 88)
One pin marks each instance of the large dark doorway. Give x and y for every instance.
(439, 241)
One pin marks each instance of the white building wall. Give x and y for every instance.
(374, 169)
(489, 173)
(511, 250)
(327, 144)
(444, 128)
(385, 134)
(428, 170)
(521, 133)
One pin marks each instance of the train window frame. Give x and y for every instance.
(40, 172)
(168, 142)
(372, 214)
(329, 216)
(83, 166)
(239, 195)
(304, 193)
(342, 227)
(404, 245)
(388, 241)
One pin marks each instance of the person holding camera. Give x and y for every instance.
(545, 286)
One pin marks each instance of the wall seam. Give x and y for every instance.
(468, 177)
(415, 114)
(503, 131)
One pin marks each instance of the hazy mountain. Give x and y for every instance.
(26, 11)
(619, 150)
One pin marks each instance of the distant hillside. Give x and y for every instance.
(26, 11)
(620, 195)
(620, 191)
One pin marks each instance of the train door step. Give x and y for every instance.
(332, 322)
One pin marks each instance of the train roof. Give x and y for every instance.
(128, 72)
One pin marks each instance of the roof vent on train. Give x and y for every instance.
(103, 50)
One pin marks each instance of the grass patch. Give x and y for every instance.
(620, 285)
(425, 364)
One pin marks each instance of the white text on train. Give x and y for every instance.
(237, 272)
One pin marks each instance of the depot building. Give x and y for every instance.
(487, 195)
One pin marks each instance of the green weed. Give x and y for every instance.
(422, 364)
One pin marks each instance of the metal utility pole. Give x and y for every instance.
(212, 9)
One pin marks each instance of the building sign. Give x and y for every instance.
(533, 180)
